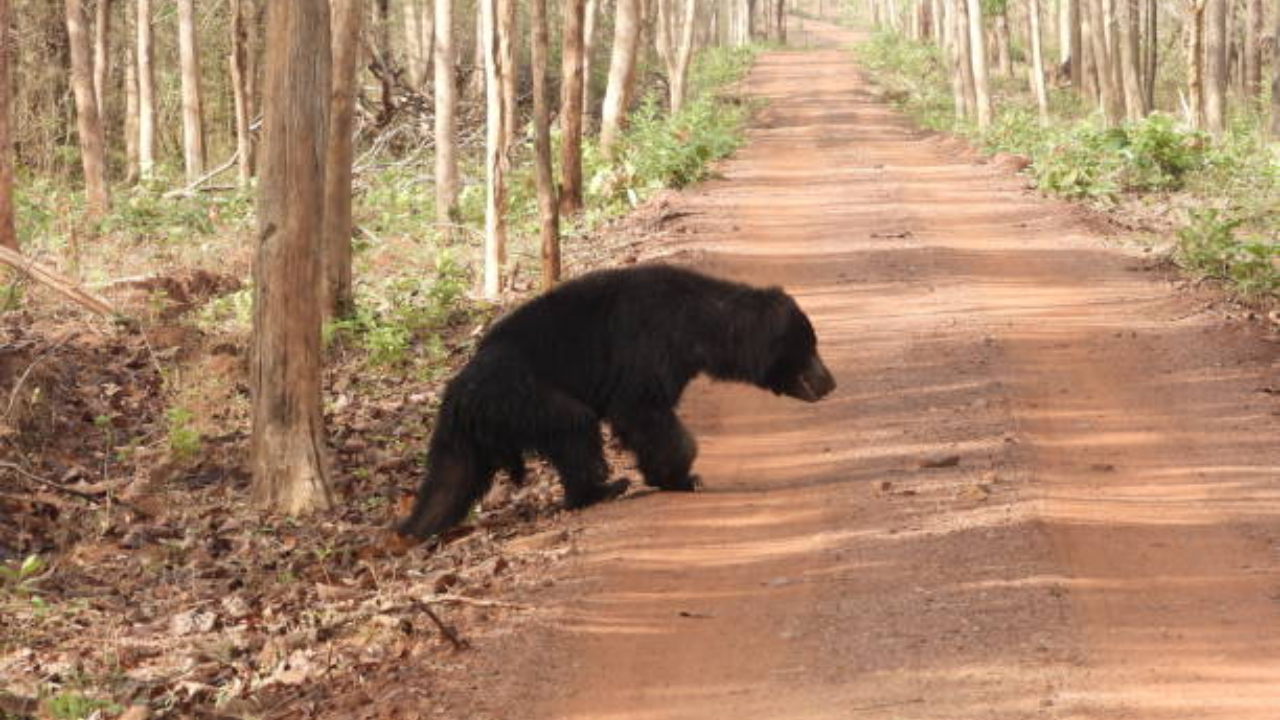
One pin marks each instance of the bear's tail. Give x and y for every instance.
(453, 484)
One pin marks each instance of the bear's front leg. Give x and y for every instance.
(664, 448)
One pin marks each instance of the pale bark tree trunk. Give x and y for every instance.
(446, 120)
(1112, 96)
(345, 18)
(508, 38)
(192, 106)
(382, 51)
(287, 448)
(8, 230)
(495, 222)
(978, 56)
(239, 63)
(1253, 50)
(88, 122)
(967, 97)
(622, 71)
(475, 89)
(1076, 49)
(676, 16)
(146, 93)
(130, 106)
(548, 212)
(1004, 57)
(571, 109)
(1215, 66)
(101, 54)
(412, 14)
(1135, 100)
(780, 17)
(1037, 61)
(588, 50)
(1194, 52)
(1151, 52)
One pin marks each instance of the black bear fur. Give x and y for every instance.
(617, 346)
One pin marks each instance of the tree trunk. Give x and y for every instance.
(978, 56)
(1004, 57)
(88, 122)
(1077, 46)
(548, 212)
(676, 16)
(588, 51)
(192, 106)
(507, 40)
(1253, 50)
(8, 231)
(1215, 66)
(130, 107)
(1037, 61)
(1112, 97)
(1135, 100)
(239, 62)
(146, 93)
(495, 222)
(427, 38)
(622, 72)
(780, 14)
(1194, 52)
(571, 109)
(967, 96)
(101, 54)
(415, 53)
(383, 58)
(446, 120)
(345, 18)
(287, 448)
(1275, 79)
(1150, 55)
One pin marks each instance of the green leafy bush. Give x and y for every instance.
(1209, 245)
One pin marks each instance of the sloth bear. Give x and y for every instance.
(617, 346)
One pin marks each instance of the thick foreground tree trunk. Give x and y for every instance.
(571, 92)
(337, 299)
(287, 455)
(446, 99)
(192, 106)
(88, 121)
(548, 212)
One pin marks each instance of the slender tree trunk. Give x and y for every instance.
(446, 120)
(548, 212)
(1037, 61)
(1150, 55)
(1215, 66)
(1275, 78)
(1253, 50)
(622, 71)
(508, 38)
(967, 97)
(588, 51)
(1004, 57)
(130, 106)
(88, 122)
(571, 109)
(780, 15)
(8, 230)
(101, 53)
(1194, 38)
(1077, 46)
(427, 38)
(146, 93)
(475, 89)
(287, 449)
(1112, 97)
(1135, 100)
(382, 51)
(239, 63)
(495, 222)
(345, 17)
(684, 53)
(415, 53)
(192, 106)
(978, 56)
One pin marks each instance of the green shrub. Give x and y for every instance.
(1209, 245)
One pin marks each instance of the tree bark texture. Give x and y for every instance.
(1252, 50)
(345, 18)
(88, 121)
(622, 73)
(287, 455)
(146, 93)
(1037, 61)
(495, 222)
(1275, 79)
(571, 108)
(239, 64)
(1135, 100)
(1111, 95)
(101, 53)
(978, 56)
(446, 120)
(192, 105)
(130, 109)
(1194, 53)
(507, 44)
(548, 211)
(591, 15)
(1215, 66)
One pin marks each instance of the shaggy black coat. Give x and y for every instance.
(617, 346)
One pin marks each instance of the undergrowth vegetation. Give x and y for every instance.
(1225, 192)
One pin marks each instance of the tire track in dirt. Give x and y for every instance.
(1107, 546)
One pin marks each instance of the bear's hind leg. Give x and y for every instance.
(664, 448)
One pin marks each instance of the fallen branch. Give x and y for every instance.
(194, 186)
(476, 602)
(90, 497)
(449, 633)
(56, 282)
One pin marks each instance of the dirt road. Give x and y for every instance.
(1100, 539)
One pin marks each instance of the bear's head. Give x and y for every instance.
(794, 368)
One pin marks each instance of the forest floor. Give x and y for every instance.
(1047, 486)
